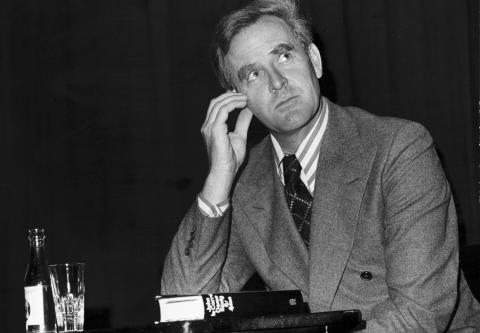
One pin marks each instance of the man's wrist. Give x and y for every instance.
(217, 186)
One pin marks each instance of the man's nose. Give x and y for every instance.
(277, 80)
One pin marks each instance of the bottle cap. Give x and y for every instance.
(36, 232)
(36, 236)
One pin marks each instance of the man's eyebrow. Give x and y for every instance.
(244, 70)
(281, 48)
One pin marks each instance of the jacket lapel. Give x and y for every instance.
(270, 216)
(284, 244)
(343, 168)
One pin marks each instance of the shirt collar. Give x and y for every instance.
(308, 150)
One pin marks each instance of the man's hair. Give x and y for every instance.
(230, 25)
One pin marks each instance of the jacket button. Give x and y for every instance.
(366, 276)
(187, 251)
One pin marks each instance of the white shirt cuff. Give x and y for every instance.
(211, 210)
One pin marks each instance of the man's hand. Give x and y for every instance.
(226, 150)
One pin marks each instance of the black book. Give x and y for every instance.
(229, 305)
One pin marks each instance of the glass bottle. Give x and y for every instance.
(39, 308)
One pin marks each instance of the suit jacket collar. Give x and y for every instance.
(343, 168)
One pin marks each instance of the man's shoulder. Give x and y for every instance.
(371, 127)
(367, 119)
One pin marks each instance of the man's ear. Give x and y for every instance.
(316, 59)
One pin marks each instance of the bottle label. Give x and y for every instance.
(34, 305)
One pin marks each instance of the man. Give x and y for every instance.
(352, 209)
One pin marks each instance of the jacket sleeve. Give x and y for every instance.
(421, 251)
(205, 256)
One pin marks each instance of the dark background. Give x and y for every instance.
(100, 112)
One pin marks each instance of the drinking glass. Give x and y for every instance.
(68, 287)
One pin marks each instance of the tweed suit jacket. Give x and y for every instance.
(383, 235)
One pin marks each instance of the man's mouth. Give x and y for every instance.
(286, 102)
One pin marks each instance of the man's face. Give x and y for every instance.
(279, 77)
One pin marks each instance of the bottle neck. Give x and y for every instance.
(37, 270)
(37, 251)
(37, 254)
(36, 238)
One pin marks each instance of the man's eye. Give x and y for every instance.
(253, 75)
(285, 57)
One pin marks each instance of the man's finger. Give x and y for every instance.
(219, 100)
(243, 122)
(224, 110)
(227, 104)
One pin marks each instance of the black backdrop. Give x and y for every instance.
(102, 101)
